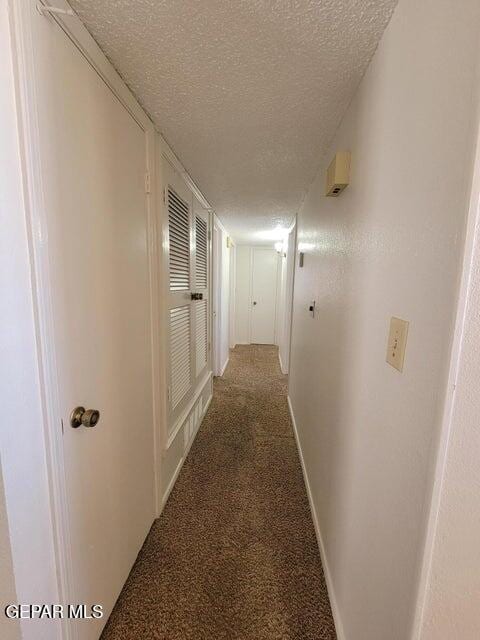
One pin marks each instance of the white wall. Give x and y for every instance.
(285, 294)
(9, 629)
(280, 300)
(451, 609)
(391, 244)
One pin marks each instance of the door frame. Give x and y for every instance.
(216, 295)
(33, 191)
(289, 295)
(439, 480)
(232, 284)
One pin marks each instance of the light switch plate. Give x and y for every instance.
(397, 342)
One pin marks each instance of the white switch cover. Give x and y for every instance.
(397, 342)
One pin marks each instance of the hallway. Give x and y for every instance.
(239, 264)
(234, 554)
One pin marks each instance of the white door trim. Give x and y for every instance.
(289, 297)
(232, 283)
(211, 266)
(172, 158)
(443, 442)
(276, 334)
(21, 17)
(250, 294)
(216, 295)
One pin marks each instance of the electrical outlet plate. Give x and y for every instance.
(397, 342)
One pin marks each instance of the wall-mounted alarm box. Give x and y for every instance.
(338, 174)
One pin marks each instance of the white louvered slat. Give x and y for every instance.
(201, 336)
(188, 248)
(180, 349)
(179, 242)
(201, 261)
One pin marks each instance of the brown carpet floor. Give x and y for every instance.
(234, 554)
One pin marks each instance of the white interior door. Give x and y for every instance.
(93, 163)
(264, 295)
(201, 306)
(188, 321)
(180, 320)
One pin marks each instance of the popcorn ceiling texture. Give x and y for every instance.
(248, 93)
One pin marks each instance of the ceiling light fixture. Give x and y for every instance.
(272, 235)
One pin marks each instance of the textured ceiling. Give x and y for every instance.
(247, 92)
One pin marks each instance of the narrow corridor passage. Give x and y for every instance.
(234, 554)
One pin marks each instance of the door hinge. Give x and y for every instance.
(147, 182)
(63, 430)
(209, 346)
(209, 234)
(169, 395)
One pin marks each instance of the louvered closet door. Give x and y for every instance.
(188, 254)
(181, 268)
(202, 274)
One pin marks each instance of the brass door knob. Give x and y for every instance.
(79, 416)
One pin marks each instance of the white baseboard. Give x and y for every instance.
(224, 367)
(282, 368)
(179, 466)
(328, 577)
(172, 482)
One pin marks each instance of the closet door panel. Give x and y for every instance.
(202, 276)
(187, 243)
(180, 313)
